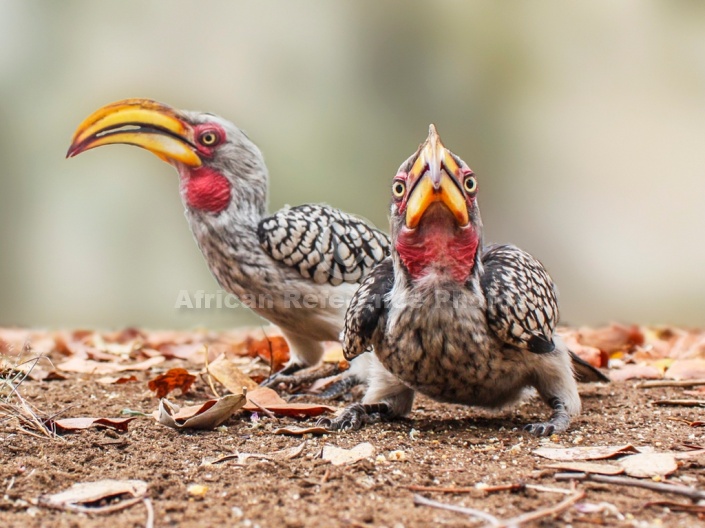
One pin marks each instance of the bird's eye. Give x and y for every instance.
(398, 189)
(208, 138)
(470, 184)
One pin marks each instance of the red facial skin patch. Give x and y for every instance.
(207, 190)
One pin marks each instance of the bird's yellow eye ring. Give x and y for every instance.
(470, 184)
(398, 189)
(208, 138)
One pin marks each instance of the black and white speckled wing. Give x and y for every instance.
(367, 310)
(324, 244)
(522, 309)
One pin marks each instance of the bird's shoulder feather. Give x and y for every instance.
(322, 243)
(367, 309)
(522, 308)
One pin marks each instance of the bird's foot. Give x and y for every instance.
(355, 417)
(559, 421)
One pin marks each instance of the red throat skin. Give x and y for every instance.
(207, 190)
(438, 246)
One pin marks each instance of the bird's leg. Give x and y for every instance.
(340, 388)
(356, 416)
(559, 421)
(305, 353)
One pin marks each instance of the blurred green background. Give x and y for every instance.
(585, 122)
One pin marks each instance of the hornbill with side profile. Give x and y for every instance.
(451, 318)
(300, 264)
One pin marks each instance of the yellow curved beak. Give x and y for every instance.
(140, 122)
(434, 177)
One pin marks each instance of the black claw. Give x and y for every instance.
(324, 422)
(355, 417)
(540, 429)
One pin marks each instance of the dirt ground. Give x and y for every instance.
(442, 446)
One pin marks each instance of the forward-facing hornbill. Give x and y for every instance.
(299, 267)
(451, 318)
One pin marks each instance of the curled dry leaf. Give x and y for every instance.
(83, 496)
(208, 415)
(226, 372)
(584, 453)
(176, 378)
(270, 400)
(339, 456)
(68, 425)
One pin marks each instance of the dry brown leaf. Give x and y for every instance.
(584, 453)
(114, 380)
(648, 465)
(84, 496)
(339, 456)
(588, 467)
(613, 338)
(596, 357)
(208, 415)
(274, 350)
(226, 372)
(333, 353)
(182, 350)
(13, 340)
(88, 366)
(300, 431)
(176, 378)
(67, 425)
(686, 369)
(636, 371)
(288, 453)
(270, 400)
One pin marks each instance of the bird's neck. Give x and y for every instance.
(435, 250)
(227, 236)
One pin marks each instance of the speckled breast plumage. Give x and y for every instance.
(447, 353)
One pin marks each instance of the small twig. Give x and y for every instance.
(537, 487)
(423, 501)
(326, 476)
(680, 403)
(150, 512)
(265, 411)
(676, 506)
(669, 383)
(486, 489)
(438, 489)
(538, 514)
(691, 493)
(30, 433)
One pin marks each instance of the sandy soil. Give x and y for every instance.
(439, 445)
